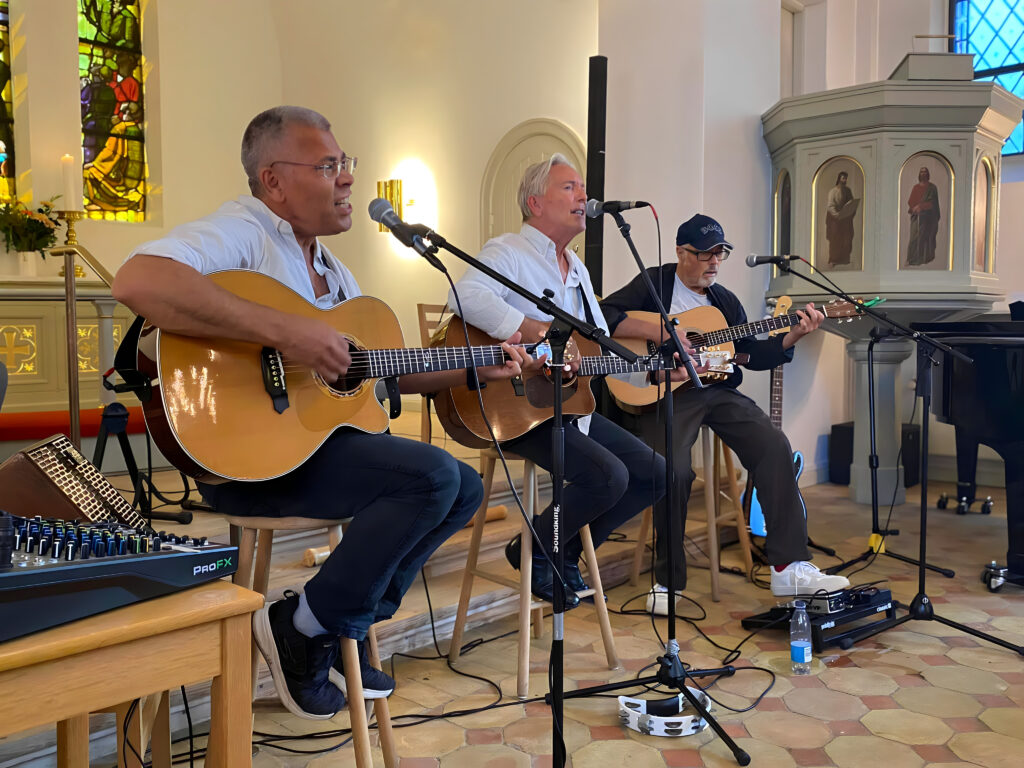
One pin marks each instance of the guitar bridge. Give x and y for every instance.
(273, 378)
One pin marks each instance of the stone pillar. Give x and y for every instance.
(887, 355)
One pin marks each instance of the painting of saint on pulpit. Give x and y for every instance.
(839, 231)
(925, 184)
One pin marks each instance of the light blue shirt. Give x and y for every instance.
(529, 259)
(246, 234)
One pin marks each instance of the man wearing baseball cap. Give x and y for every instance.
(701, 250)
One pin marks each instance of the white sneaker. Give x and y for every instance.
(657, 600)
(804, 579)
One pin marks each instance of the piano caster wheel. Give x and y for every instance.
(943, 501)
(963, 507)
(986, 506)
(994, 583)
(993, 577)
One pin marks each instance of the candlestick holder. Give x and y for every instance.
(69, 218)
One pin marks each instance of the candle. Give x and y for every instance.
(69, 200)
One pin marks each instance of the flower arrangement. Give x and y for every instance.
(27, 230)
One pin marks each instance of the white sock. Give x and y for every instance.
(304, 621)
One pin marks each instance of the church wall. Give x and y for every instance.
(442, 82)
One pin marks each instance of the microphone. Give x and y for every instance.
(382, 212)
(596, 208)
(753, 260)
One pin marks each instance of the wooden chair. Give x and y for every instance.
(430, 317)
(716, 456)
(527, 605)
(256, 539)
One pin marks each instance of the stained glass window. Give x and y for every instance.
(113, 146)
(993, 30)
(7, 190)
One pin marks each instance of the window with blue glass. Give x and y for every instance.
(993, 30)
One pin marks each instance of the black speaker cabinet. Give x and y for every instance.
(840, 453)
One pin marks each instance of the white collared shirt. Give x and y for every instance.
(529, 259)
(246, 234)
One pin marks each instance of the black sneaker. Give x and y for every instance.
(298, 664)
(376, 684)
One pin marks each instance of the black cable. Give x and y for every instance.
(188, 719)
(125, 741)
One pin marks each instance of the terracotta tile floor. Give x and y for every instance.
(922, 694)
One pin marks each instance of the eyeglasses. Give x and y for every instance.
(329, 170)
(721, 254)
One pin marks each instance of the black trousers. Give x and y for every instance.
(762, 449)
(611, 476)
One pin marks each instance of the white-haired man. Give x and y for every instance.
(404, 497)
(611, 475)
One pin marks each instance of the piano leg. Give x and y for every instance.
(994, 575)
(966, 470)
(1013, 458)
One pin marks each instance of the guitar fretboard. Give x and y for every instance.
(381, 363)
(725, 335)
(598, 365)
(775, 409)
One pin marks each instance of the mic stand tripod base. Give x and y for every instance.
(672, 674)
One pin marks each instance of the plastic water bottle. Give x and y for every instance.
(800, 639)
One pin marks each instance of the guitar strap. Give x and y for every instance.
(588, 313)
(394, 396)
(126, 365)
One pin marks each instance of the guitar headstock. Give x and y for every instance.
(781, 306)
(841, 310)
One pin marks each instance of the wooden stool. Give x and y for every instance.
(714, 457)
(258, 580)
(527, 605)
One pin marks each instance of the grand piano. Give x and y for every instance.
(985, 403)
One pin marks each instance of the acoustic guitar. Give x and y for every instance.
(516, 406)
(232, 410)
(712, 340)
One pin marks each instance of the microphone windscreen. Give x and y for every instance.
(379, 208)
(594, 209)
(751, 259)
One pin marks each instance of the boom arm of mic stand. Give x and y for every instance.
(880, 316)
(585, 329)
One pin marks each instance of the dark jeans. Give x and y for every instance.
(762, 449)
(405, 499)
(611, 476)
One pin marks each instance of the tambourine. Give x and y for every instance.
(673, 716)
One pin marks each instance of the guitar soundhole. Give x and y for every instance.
(356, 374)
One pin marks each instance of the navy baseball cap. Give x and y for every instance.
(702, 233)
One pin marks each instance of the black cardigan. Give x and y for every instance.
(764, 355)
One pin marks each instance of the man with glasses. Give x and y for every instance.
(701, 249)
(405, 497)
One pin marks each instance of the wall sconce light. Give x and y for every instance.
(390, 190)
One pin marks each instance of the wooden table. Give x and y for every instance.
(63, 674)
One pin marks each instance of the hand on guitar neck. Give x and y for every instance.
(810, 319)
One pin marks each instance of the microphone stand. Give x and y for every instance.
(671, 671)
(920, 608)
(892, 328)
(558, 335)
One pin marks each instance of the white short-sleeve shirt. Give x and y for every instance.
(246, 234)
